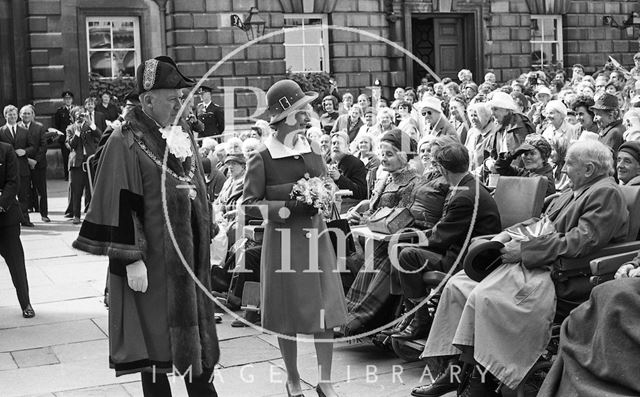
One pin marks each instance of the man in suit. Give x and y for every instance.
(97, 118)
(82, 140)
(18, 137)
(447, 237)
(37, 159)
(10, 244)
(61, 121)
(211, 115)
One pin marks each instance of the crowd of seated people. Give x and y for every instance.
(434, 150)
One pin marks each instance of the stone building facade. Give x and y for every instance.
(51, 42)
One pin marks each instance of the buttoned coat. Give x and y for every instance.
(38, 138)
(21, 141)
(301, 293)
(212, 117)
(8, 186)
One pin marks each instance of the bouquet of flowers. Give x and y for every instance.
(317, 192)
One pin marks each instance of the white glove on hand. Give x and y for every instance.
(137, 276)
(625, 271)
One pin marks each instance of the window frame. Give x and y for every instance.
(137, 47)
(538, 44)
(325, 41)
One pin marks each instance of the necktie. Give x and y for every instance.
(13, 132)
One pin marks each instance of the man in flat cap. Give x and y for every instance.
(607, 117)
(156, 231)
(210, 114)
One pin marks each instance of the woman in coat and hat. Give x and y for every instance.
(295, 300)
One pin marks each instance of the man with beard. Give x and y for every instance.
(160, 321)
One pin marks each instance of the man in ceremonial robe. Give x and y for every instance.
(157, 234)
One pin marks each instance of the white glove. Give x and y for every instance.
(93, 126)
(625, 271)
(137, 276)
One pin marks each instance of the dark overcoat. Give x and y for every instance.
(297, 296)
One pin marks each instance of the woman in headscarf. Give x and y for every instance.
(480, 136)
(369, 300)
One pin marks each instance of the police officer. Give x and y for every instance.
(211, 115)
(10, 216)
(61, 121)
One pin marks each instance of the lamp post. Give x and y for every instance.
(629, 24)
(253, 25)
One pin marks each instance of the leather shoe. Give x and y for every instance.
(446, 382)
(418, 328)
(76, 221)
(28, 224)
(400, 326)
(28, 312)
(46, 219)
(480, 386)
(68, 215)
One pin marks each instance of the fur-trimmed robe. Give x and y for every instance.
(172, 324)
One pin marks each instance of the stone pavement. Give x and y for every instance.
(63, 350)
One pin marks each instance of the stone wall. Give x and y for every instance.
(586, 40)
(199, 36)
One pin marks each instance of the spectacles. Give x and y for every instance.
(428, 112)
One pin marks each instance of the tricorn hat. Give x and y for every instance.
(160, 73)
(482, 258)
(285, 97)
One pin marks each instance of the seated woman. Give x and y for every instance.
(535, 152)
(369, 300)
(366, 154)
(599, 349)
(231, 191)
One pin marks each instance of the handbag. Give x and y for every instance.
(338, 223)
(388, 220)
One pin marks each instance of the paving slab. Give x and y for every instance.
(246, 350)
(35, 357)
(59, 377)
(35, 276)
(23, 338)
(54, 312)
(257, 379)
(51, 293)
(7, 362)
(102, 323)
(97, 350)
(100, 391)
(353, 362)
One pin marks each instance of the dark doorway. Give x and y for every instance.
(443, 42)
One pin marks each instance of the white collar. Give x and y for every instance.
(278, 150)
